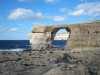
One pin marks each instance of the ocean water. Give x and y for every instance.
(14, 45)
(20, 45)
(59, 43)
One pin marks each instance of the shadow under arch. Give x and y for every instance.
(55, 30)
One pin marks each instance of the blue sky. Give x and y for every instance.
(18, 16)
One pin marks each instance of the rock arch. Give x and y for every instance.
(55, 30)
(81, 35)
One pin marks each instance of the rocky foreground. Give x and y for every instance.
(78, 61)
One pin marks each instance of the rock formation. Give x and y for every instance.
(81, 35)
(83, 59)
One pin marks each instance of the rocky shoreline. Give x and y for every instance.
(77, 61)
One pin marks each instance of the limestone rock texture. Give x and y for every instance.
(80, 35)
(77, 61)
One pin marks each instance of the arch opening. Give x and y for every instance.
(59, 37)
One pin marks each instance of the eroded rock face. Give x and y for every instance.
(40, 41)
(81, 35)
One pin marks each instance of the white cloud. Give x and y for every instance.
(94, 12)
(92, 9)
(8, 29)
(25, 0)
(59, 18)
(21, 13)
(51, 1)
(13, 29)
(77, 12)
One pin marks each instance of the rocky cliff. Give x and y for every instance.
(80, 35)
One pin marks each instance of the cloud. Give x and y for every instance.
(59, 18)
(25, 0)
(88, 5)
(89, 9)
(77, 12)
(8, 29)
(13, 29)
(28, 14)
(51, 1)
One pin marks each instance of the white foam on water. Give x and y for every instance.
(18, 49)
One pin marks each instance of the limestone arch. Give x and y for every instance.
(55, 30)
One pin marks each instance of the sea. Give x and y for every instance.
(20, 45)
